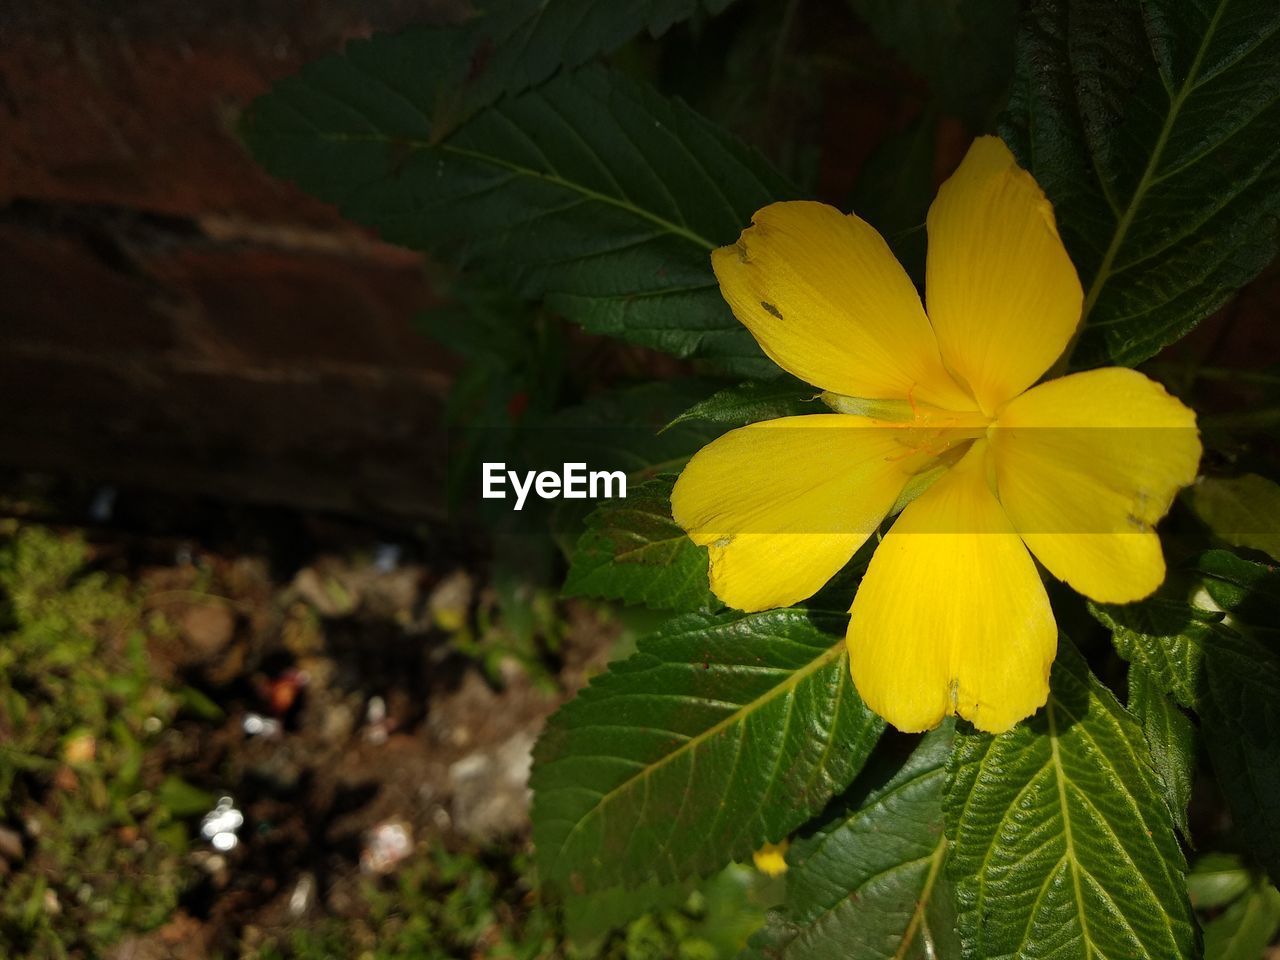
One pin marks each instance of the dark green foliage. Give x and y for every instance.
(1151, 126)
(963, 48)
(868, 883)
(1062, 846)
(1250, 591)
(634, 552)
(721, 733)
(756, 400)
(626, 429)
(1212, 663)
(516, 44)
(895, 189)
(591, 191)
(1242, 511)
(1171, 742)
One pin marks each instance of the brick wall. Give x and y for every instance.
(170, 316)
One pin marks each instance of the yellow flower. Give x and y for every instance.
(771, 859)
(951, 616)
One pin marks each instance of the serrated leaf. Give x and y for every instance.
(633, 551)
(754, 401)
(1151, 126)
(1061, 845)
(868, 883)
(722, 733)
(592, 190)
(963, 48)
(1246, 928)
(517, 44)
(1243, 511)
(1203, 662)
(1171, 743)
(1165, 638)
(1233, 682)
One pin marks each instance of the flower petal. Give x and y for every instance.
(1003, 296)
(1085, 466)
(826, 300)
(783, 504)
(951, 616)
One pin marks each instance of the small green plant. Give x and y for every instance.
(442, 905)
(79, 709)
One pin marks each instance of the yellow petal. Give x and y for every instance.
(826, 300)
(1003, 296)
(782, 505)
(951, 616)
(1085, 466)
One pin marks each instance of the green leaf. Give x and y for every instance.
(626, 429)
(592, 191)
(1216, 880)
(868, 884)
(1061, 845)
(1247, 927)
(1203, 662)
(1151, 126)
(1165, 638)
(181, 799)
(633, 551)
(590, 916)
(1171, 742)
(1243, 511)
(517, 44)
(1233, 682)
(963, 48)
(894, 190)
(1246, 760)
(723, 732)
(1250, 591)
(754, 401)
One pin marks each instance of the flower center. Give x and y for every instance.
(926, 434)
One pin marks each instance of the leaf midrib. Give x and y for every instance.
(834, 652)
(936, 859)
(922, 902)
(1147, 179)
(813, 924)
(413, 143)
(1060, 777)
(523, 171)
(632, 554)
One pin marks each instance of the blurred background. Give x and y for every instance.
(262, 692)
